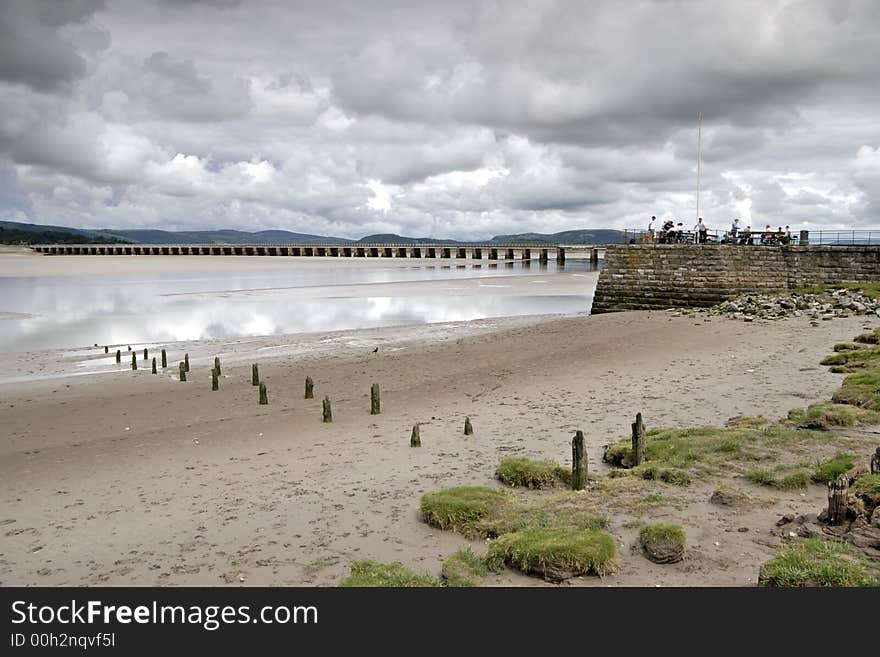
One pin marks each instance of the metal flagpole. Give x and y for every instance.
(699, 160)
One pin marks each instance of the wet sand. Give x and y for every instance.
(126, 478)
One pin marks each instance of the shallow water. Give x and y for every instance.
(48, 312)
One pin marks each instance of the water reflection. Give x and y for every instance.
(50, 312)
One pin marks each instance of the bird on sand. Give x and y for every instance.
(375, 350)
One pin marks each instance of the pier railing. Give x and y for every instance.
(755, 237)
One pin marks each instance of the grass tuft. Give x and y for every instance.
(465, 568)
(867, 488)
(462, 507)
(829, 470)
(847, 346)
(663, 543)
(523, 472)
(817, 562)
(386, 575)
(555, 553)
(788, 482)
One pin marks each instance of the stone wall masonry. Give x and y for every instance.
(643, 277)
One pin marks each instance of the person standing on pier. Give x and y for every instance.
(700, 231)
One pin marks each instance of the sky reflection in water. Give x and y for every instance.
(53, 312)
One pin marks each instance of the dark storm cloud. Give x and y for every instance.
(32, 51)
(460, 119)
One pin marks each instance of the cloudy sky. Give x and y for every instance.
(446, 119)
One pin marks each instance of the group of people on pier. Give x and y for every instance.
(671, 232)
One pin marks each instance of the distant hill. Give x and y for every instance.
(221, 237)
(391, 238)
(17, 233)
(20, 233)
(591, 236)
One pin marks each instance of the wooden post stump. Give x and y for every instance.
(217, 364)
(838, 491)
(875, 462)
(310, 388)
(164, 360)
(255, 375)
(578, 462)
(154, 365)
(106, 349)
(186, 361)
(415, 440)
(327, 412)
(374, 399)
(215, 380)
(264, 398)
(182, 372)
(118, 356)
(468, 427)
(638, 441)
(146, 354)
(134, 362)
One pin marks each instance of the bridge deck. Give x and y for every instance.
(507, 252)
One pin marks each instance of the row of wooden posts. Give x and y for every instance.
(326, 411)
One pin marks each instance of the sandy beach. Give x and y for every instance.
(125, 478)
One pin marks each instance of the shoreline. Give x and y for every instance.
(142, 480)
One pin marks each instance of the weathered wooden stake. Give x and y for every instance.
(578, 462)
(106, 349)
(164, 360)
(374, 399)
(182, 372)
(186, 361)
(638, 441)
(118, 356)
(264, 399)
(468, 427)
(327, 412)
(415, 440)
(134, 362)
(255, 375)
(154, 365)
(875, 462)
(838, 491)
(310, 388)
(146, 355)
(215, 380)
(217, 364)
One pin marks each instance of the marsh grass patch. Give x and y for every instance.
(478, 512)
(826, 415)
(386, 575)
(527, 473)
